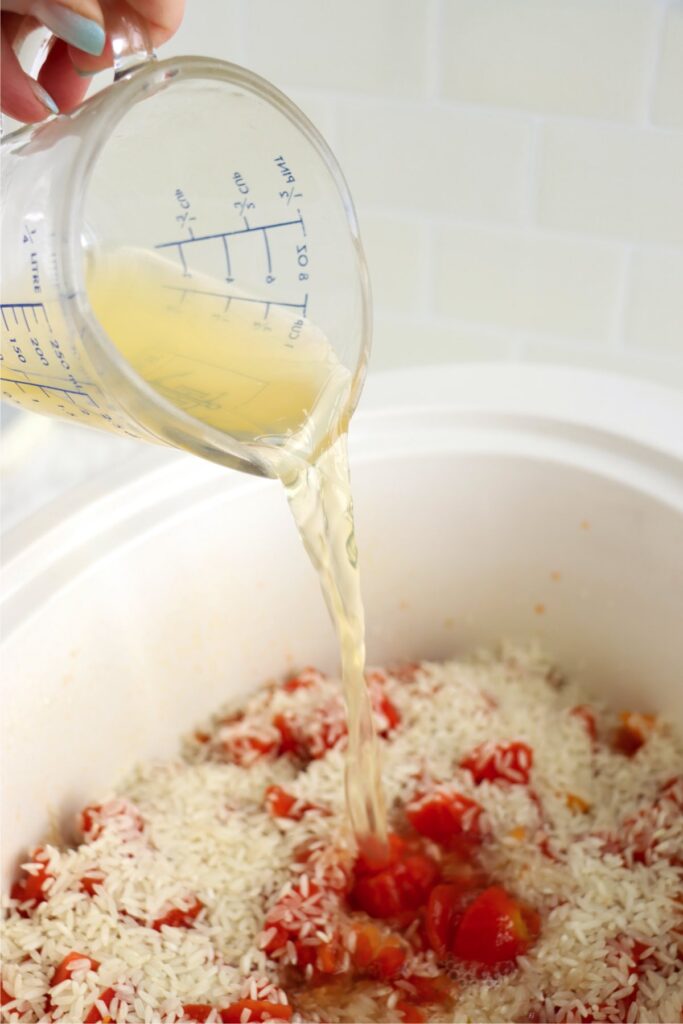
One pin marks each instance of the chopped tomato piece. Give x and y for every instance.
(71, 962)
(389, 960)
(118, 814)
(244, 744)
(300, 908)
(447, 818)
(373, 857)
(285, 726)
(495, 928)
(260, 1010)
(321, 731)
(90, 882)
(504, 762)
(304, 680)
(377, 953)
(177, 918)
(31, 888)
(586, 715)
(546, 849)
(444, 911)
(95, 1015)
(277, 939)
(196, 1012)
(632, 733)
(640, 839)
(282, 804)
(389, 711)
(577, 804)
(402, 885)
(5, 997)
(329, 956)
(331, 868)
(673, 791)
(410, 1014)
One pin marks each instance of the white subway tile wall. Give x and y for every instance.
(517, 165)
(667, 105)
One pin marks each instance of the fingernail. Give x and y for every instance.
(83, 33)
(43, 96)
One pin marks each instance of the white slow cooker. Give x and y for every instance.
(491, 502)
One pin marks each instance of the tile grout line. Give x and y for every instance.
(485, 110)
(516, 336)
(655, 47)
(518, 341)
(540, 232)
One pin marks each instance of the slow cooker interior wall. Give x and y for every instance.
(457, 550)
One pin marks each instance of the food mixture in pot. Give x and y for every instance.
(534, 870)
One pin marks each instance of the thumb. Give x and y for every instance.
(22, 97)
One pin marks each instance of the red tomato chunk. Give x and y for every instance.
(310, 739)
(95, 1014)
(586, 716)
(377, 953)
(500, 762)
(259, 1009)
(196, 1012)
(90, 882)
(177, 918)
(244, 744)
(632, 733)
(118, 814)
(410, 1014)
(304, 680)
(389, 712)
(70, 963)
(444, 911)
(447, 818)
(402, 885)
(387, 715)
(495, 929)
(31, 889)
(282, 804)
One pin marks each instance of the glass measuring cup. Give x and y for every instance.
(210, 199)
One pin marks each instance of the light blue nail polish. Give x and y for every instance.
(84, 74)
(43, 96)
(83, 33)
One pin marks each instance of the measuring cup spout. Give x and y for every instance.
(129, 36)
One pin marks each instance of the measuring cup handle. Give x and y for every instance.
(129, 37)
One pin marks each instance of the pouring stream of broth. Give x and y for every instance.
(289, 405)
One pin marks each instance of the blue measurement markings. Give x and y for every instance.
(10, 308)
(32, 313)
(180, 243)
(266, 303)
(229, 234)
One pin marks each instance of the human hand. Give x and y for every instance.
(80, 48)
